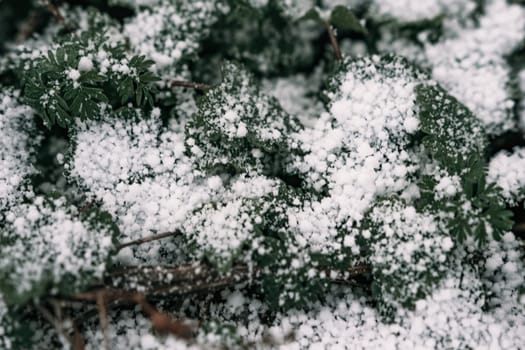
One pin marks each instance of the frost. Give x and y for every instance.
(225, 226)
(507, 170)
(169, 32)
(238, 126)
(50, 246)
(414, 10)
(292, 8)
(140, 173)
(469, 60)
(85, 64)
(17, 146)
(405, 265)
(356, 151)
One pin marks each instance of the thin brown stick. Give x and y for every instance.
(161, 322)
(333, 40)
(102, 312)
(158, 281)
(132, 284)
(78, 339)
(149, 239)
(109, 295)
(55, 12)
(191, 85)
(54, 322)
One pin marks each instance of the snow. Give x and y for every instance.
(85, 64)
(344, 187)
(292, 8)
(140, 172)
(447, 186)
(470, 58)
(49, 243)
(415, 10)
(185, 22)
(17, 146)
(507, 170)
(351, 150)
(73, 74)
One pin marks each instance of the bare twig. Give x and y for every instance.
(149, 239)
(333, 40)
(357, 270)
(54, 322)
(131, 285)
(55, 12)
(161, 322)
(174, 280)
(78, 339)
(191, 85)
(101, 305)
(159, 281)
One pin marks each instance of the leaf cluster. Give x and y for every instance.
(60, 89)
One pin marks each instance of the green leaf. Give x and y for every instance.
(312, 14)
(344, 19)
(452, 134)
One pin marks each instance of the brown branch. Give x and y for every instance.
(357, 270)
(155, 281)
(78, 339)
(333, 40)
(161, 322)
(149, 239)
(158, 281)
(102, 312)
(132, 284)
(191, 85)
(174, 280)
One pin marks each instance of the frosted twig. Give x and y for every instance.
(149, 239)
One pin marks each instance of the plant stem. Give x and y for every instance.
(333, 40)
(51, 319)
(101, 305)
(160, 321)
(149, 239)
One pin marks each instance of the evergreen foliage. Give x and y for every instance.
(83, 75)
(238, 127)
